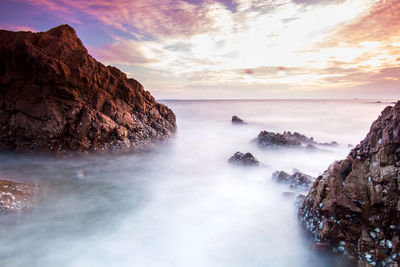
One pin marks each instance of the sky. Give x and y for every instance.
(234, 49)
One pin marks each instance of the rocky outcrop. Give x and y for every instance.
(16, 197)
(237, 120)
(55, 97)
(241, 159)
(297, 181)
(354, 207)
(267, 139)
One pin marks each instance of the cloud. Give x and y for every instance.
(380, 24)
(12, 27)
(154, 17)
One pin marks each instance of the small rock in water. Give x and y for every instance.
(243, 159)
(298, 181)
(237, 120)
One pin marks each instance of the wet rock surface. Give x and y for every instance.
(297, 181)
(16, 197)
(354, 207)
(237, 120)
(241, 159)
(55, 97)
(267, 139)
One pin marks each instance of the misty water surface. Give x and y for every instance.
(182, 205)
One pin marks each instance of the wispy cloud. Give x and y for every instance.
(292, 45)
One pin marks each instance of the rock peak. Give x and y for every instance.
(62, 30)
(55, 97)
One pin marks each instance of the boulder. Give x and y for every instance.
(241, 159)
(355, 205)
(55, 97)
(297, 181)
(16, 197)
(237, 120)
(267, 139)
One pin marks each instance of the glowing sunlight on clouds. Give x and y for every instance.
(284, 46)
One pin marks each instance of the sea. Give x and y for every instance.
(182, 204)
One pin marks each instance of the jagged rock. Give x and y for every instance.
(243, 159)
(269, 139)
(355, 206)
(16, 197)
(237, 120)
(55, 97)
(297, 181)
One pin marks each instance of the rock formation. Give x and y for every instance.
(243, 159)
(16, 197)
(267, 139)
(55, 97)
(237, 120)
(297, 181)
(354, 207)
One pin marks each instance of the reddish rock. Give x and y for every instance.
(16, 197)
(55, 97)
(355, 206)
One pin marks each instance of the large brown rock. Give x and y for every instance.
(354, 206)
(55, 97)
(16, 197)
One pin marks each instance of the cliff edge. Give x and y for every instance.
(55, 97)
(354, 207)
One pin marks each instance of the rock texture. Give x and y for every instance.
(16, 197)
(297, 181)
(243, 159)
(237, 120)
(55, 97)
(354, 207)
(267, 139)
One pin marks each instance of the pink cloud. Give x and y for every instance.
(12, 27)
(380, 24)
(120, 52)
(157, 17)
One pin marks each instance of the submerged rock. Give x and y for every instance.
(243, 159)
(237, 120)
(16, 197)
(55, 97)
(267, 139)
(297, 181)
(355, 205)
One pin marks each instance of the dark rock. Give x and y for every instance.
(297, 181)
(269, 139)
(55, 97)
(243, 159)
(237, 120)
(355, 205)
(16, 197)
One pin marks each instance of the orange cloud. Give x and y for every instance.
(381, 24)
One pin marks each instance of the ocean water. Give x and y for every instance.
(182, 204)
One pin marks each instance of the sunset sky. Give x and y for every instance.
(188, 49)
